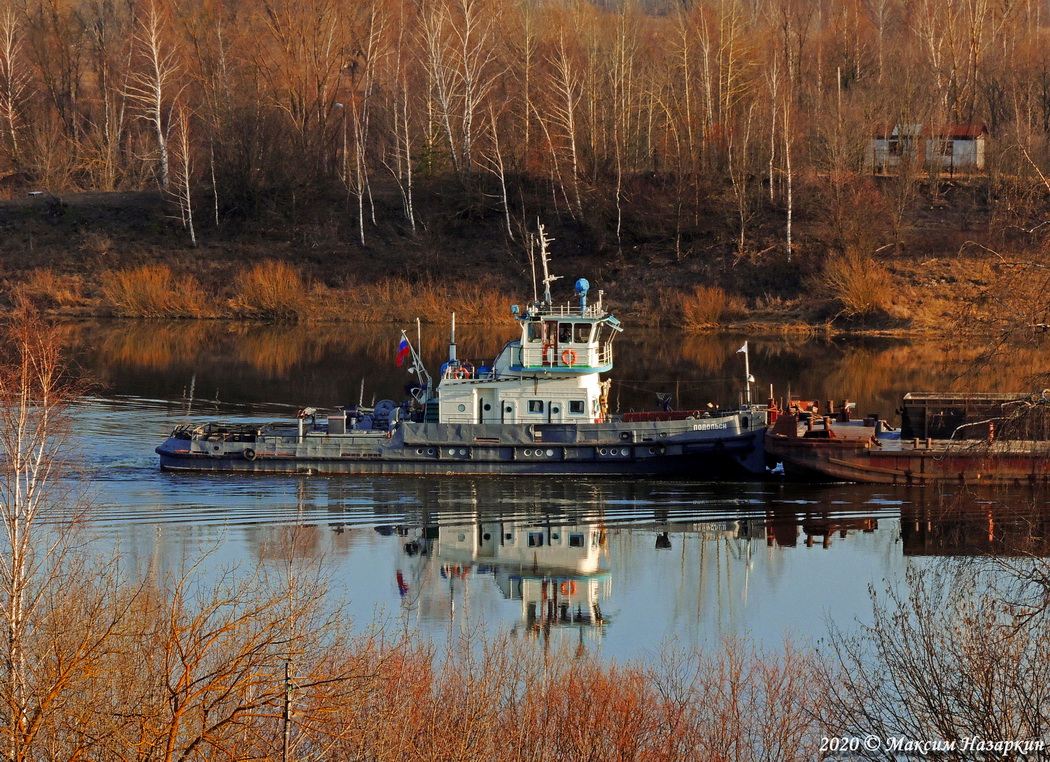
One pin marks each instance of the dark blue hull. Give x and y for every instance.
(689, 449)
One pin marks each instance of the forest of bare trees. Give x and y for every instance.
(617, 114)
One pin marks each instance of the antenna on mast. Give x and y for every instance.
(547, 277)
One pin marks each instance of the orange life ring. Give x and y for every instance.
(461, 372)
(568, 588)
(568, 357)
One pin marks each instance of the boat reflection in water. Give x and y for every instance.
(559, 572)
(986, 524)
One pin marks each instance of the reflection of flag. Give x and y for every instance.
(402, 351)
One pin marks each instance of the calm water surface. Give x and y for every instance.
(619, 566)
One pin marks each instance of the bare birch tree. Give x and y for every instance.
(461, 64)
(182, 188)
(13, 82)
(151, 86)
(49, 640)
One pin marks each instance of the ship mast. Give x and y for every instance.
(547, 277)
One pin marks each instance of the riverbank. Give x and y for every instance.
(127, 255)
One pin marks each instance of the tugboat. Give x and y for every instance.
(540, 408)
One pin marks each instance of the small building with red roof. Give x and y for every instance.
(951, 148)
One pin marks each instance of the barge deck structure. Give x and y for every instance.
(965, 439)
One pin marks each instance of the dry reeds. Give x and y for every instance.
(153, 291)
(272, 290)
(708, 307)
(44, 289)
(398, 300)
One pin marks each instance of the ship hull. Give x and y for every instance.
(922, 462)
(727, 447)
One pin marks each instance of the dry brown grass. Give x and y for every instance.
(861, 287)
(272, 290)
(708, 307)
(154, 291)
(398, 300)
(46, 289)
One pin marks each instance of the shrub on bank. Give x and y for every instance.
(708, 307)
(862, 287)
(271, 290)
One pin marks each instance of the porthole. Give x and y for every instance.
(652, 451)
(625, 451)
(486, 537)
(486, 407)
(555, 410)
(462, 453)
(603, 451)
(451, 452)
(419, 451)
(555, 536)
(508, 409)
(462, 537)
(528, 453)
(462, 408)
(550, 453)
(430, 451)
(508, 537)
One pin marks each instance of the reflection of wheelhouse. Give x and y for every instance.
(559, 573)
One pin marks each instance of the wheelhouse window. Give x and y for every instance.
(581, 333)
(535, 332)
(535, 406)
(575, 540)
(577, 407)
(535, 539)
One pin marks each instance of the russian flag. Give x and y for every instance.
(402, 351)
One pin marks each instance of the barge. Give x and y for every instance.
(540, 408)
(996, 439)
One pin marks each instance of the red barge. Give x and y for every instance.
(999, 439)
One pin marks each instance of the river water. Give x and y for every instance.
(621, 567)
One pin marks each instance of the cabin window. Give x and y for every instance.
(535, 406)
(535, 539)
(576, 406)
(565, 333)
(535, 332)
(575, 540)
(581, 333)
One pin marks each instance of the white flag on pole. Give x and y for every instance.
(742, 349)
